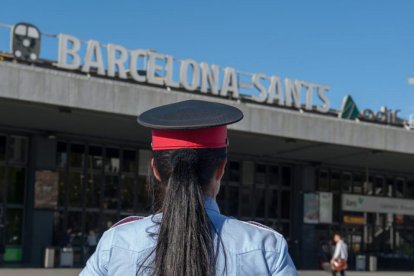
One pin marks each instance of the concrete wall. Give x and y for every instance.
(34, 84)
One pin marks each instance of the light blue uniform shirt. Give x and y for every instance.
(250, 249)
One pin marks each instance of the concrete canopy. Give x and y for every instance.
(51, 100)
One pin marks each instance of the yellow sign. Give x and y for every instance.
(354, 220)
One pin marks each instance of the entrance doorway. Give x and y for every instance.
(13, 173)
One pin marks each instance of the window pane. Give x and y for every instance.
(336, 208)
(335, 182)
(14, 219)
(259, 197)
(287, 176)
(127, 204)
(233, 200)
(62, 190)
(260, 174)
(75, 189)
(91, 234)
(112, 161)
(285, 204)
(410, 189)
(246, 199)
(108, 219)
(93, 190)
(74, 228)
(379, 185)
(273, 204)
(2, 147)
(389, 189)
(129, 161)
(2, 175)
(399, 187)
(368, 186)
(323, 181)
(248, 173)
(143, 200)
(62, 155)
(273, 175)
(272, 223)
(60, 236)
(144, 162)
(18, 149)
(277, 226)
(285, 230)
(405, 242)
(234, 171)
(75, 236)
(346, 182)
(15, 188)
(95, 158)
(77, 155)
(111, 192)
(91, 224)
(357, 183)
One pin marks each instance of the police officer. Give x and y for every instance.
(189, 236)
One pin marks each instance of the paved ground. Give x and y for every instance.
(73, 272)
(38, 272)
(357, 273)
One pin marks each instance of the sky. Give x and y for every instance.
(362, 48)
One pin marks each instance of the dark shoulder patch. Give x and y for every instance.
(127, 220)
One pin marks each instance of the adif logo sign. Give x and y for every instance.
(349, 110)
(353, 202)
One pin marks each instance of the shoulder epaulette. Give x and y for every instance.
(259, 225)
(127, 220)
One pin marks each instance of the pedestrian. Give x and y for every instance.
(339, 261)
(188, 236)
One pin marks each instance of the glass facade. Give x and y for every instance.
(386, 236)
(98, 185)
(101, 184)
(259, 191)
(13, 175)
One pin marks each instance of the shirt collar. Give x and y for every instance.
(211, 205)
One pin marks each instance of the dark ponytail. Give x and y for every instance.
(185, 241)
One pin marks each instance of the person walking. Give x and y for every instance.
(339, 261)
(188, 236)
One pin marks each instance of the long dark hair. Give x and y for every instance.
(184, 242)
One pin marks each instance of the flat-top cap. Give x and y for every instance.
(190, 124)
(192, 114)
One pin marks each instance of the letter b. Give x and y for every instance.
(65, 52)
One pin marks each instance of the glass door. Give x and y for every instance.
(354, 237)
(13, 157)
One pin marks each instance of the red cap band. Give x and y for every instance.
(215, 137)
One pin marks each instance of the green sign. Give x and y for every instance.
(349, 109)
(13, 254)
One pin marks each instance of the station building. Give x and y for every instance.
(73, 161)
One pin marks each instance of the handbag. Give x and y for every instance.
(339, 265)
